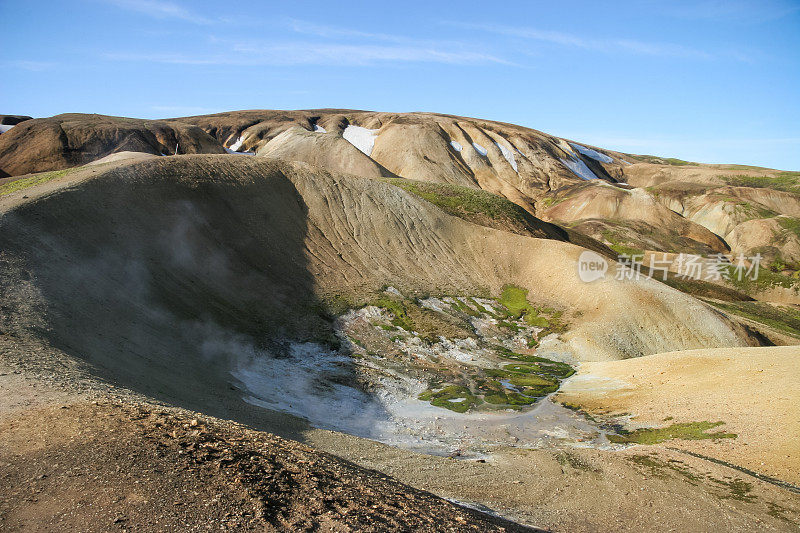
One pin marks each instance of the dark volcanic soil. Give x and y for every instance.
(106, 466)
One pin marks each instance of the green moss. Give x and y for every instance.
(464, 308)
(36, 179)
(550, 369)
(505, 353)
(515, 300)
(510, 398)
(630, 251)
(530, 381)
(465, 400)
(790, 224)
(738, 489)
(481, 309)
(765, 279)
(685, 431)
(778, 511)
(475, 205)
(782, 181)
(620, 245)
(673, 161)
(566, 458)
(509, 325)
(550, 201)
(398, 309)
(782, 318)
(700, 288)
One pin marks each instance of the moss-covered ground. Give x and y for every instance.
(36, 179)
(684, 430)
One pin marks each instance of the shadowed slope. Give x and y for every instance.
(183, 264)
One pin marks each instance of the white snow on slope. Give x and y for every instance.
(237, 144)
(480, 149)
(579, 168)
(234, 152)
(319, 129)
(509, 155)
(597, 156)
(456, 146)
(361, 138)
(5, 127)
(234, 148)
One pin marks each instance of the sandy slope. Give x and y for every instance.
(601, 201)
(664, 207)
(168, 233)
(159, 273)
(326, 150)
(755, 391)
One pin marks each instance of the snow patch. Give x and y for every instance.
(579, 168)
(233, 152)
(237, 144)
(361, 138)
(480, 149)
(5, 127)
(509, 155)
(456, 146)
(319, 129)
(597, 156)
(234, 148)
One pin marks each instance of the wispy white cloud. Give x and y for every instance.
(600, 45)
(306, 53)
(319, 30)
(32, 66)
(162, 10)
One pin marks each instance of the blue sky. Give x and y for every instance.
(711, 81)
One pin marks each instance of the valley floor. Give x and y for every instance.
(86, 456)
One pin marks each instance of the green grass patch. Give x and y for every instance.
(453, 397)
(738, 489)
(511, 398)
(399, 311)
(790, 224)
(619, 246)
(673, 161)
(530, 381)
(700, 288)
(464, 308)
(475, 205)
(783, 181)
(782, 318)
(766, 279)
(505, 353)
(515, 300)
(481, 309)
(509, 325)
(36, 179)
(685, 431)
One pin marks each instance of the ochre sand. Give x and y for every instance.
(754, 391)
